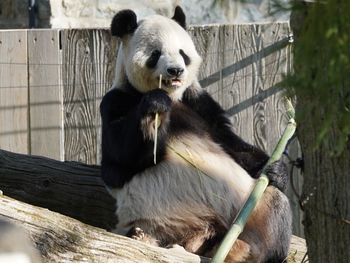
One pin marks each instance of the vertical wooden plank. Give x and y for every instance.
(13, 91)
(257, 75)
(78, 96)
(272, 66)
(45, 95)
(88, 63)
(237, 81)
(206, 39)
(105, 54)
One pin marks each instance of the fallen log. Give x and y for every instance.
(63, 239)
(76, 190)
(70, 188)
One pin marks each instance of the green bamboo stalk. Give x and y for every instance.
(259, 188)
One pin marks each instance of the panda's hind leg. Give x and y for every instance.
(193, 244)
(240, 252)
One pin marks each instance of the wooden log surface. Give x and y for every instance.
(70, 188)
(63, 239)
(76, 190)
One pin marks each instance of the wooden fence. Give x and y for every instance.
(52, 82)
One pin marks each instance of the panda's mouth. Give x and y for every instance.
(172, 83)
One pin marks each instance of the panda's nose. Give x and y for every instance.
(175, 72)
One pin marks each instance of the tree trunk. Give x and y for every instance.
(326, 198)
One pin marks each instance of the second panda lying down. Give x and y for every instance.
(204, 171)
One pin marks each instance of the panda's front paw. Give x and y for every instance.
(138, 234)
(277, 173)
(155, 101)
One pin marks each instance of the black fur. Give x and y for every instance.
(153, 59)
(126, 152)
(124, 23)
(251, 158)
(155, 101)
(278, 174)
(187, 60)
(179, 17)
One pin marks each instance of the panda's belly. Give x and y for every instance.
(196, 180)
(211, 161)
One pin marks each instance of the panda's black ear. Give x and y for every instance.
(179, 16)
(123, 23)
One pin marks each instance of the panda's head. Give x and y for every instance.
(155, 46)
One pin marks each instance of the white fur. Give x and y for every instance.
(164, 34)
(174, 191)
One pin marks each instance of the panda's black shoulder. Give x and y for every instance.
(201, 102)
(117, 102)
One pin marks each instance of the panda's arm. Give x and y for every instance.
(125, 149)
(251, 158)
(120, 132)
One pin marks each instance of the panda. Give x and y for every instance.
(204, 171)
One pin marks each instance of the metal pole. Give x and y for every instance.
(31, 13)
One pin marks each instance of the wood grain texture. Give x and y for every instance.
(206, 40)
(242, 66)
(70, 188)
(272, 62)
(45, 89)
(13, 91)
(88, 62)
(236, 73)
(105, 49)
(63, 239)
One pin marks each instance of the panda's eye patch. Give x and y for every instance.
(185, 57)
(153, 59)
